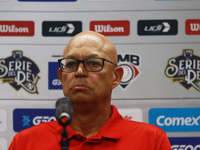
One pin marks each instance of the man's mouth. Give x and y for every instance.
(80, 87)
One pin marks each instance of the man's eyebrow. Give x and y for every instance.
(88, 56)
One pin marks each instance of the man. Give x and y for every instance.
(88, 74)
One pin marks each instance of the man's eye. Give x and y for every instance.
(70, 64)
(93, 62)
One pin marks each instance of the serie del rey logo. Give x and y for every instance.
(130, 64)
(185, 69)
(20, 72)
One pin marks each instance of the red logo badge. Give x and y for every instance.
(192, 27)
(111, 28)
(16, 28)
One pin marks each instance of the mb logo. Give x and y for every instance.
(130, 64)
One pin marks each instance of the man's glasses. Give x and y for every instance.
(90, 64)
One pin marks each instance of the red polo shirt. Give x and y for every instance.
(116, 134)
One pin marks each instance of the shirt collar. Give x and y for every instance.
(111, 129)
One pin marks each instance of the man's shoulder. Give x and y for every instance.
(35, 130)
(141, 127)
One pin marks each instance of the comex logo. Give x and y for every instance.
(185, 147)
(20, 72)
(176, 119)
(129, 63)
(185, 69)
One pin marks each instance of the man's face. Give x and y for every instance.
(85, 87)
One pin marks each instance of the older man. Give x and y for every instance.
(88, 73)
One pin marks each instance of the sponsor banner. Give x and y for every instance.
(177, 0)
(61, 28)
(26, 118)
(47, 0)
(176, 119)
(130, 64)
(17, 28)
(185, 69)
(3, 120)
(3, 144)
(157, 27)
(192, 27)
(134, 114)
(185, 143)
(19, 72)
(111, 28)
(54, 82)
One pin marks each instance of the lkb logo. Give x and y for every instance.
(19, 72)
(185, 69)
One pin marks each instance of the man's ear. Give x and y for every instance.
(118, 72)
(60, 74)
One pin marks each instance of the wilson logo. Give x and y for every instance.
(111, 28)
(192, 27)
(16, 28)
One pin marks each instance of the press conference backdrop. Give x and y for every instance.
(158, 44)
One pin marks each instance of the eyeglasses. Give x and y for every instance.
(90, 64)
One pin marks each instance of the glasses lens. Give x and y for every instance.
(69, 64)
(93, 64)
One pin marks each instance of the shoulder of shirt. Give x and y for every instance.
(37, 129)
(142, 127)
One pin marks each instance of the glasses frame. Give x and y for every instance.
(83, 61)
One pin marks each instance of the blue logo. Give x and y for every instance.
(47, 0)
(185, 143)
(176, 119)
(54, 82)
(26, 121)
(25, 118)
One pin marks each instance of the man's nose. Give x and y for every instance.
(81, 71)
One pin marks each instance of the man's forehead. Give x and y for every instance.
(83, 52)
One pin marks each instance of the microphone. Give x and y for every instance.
(64, 111)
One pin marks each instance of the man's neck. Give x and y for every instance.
(88, 123)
